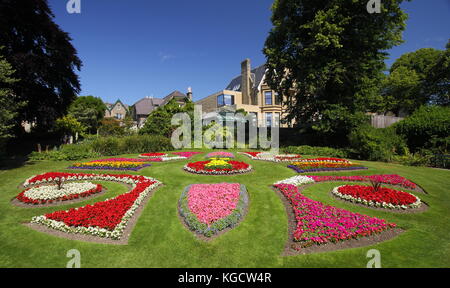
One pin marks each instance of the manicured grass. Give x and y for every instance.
(160, 239)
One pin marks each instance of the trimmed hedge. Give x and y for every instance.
(309, 150)
(110, 146)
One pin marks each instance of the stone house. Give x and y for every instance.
(250, 92)
(118, 110)
(140, 110)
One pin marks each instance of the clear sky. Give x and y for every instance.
(136, 48)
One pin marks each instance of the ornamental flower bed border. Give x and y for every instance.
(317, 223)
(312, 170)
(30, 201)
(271, 157)
(220, 154)
(376, 204)
(87, 167)
(231, 221)
(218, 172)
(153, 155)
(144, 183)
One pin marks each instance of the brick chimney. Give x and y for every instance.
(189, 93)
(246, 83)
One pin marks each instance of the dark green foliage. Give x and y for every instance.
(109, 146)
(159, 121)
(8, 103)
(377, 144)
(417, 78)
(332, 52)
(428, 127)
(44, 59)
(67, 152)
(316, 151)
(89, 111)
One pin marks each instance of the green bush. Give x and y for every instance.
(320, 151)
(109, 146)
(377, 144)
(428, 127)
(67, 152)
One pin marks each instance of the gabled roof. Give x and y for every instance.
(174, 94)
(257, 76)
(110, 106)
(146, 105)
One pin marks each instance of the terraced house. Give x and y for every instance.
(249, 92)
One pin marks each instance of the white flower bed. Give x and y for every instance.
(117, 233)
(267, 156)
(51, 192)
(170, 158)
(296, 180)
(374, 203)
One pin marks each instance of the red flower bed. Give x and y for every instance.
(106, 214)
(200, 166)
(381, 195)
(153, 154)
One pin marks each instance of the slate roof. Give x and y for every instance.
(146, 105)
(257, 76)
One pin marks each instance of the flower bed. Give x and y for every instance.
(186, 154)
(122, 160)
(104, 219)
(220, 154)
(384, 178)
(210, 208)
(324, 164)
(51, 193)
(317, 223)
(380, 197)
(265, 156)
(218, 166)
(152, 155)
(110, 165)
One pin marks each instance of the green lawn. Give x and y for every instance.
(160, 239)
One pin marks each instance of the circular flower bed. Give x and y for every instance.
(218, 166)
(377, 197)
(50, 193)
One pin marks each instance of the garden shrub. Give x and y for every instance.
(377, 144)
(428, 127)
(66, 152)
(320, 151)
(109, 146)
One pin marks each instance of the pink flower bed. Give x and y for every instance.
(220, 154)
(386, 179)
(211, 202)
(319, 224)
(187, 154)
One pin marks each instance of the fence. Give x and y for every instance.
(382, 121)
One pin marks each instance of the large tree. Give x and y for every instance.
(328, 56)
(409, 84)
(89, 111)
(7, 99)
(43, 57)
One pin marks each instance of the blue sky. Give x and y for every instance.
(136, 48)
